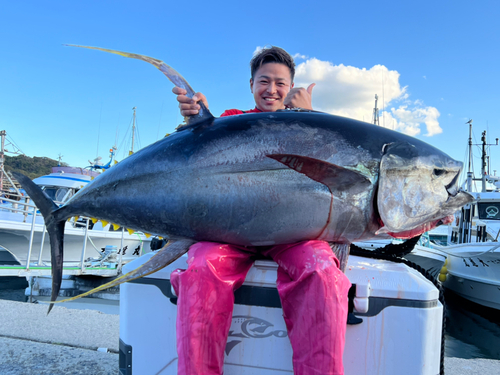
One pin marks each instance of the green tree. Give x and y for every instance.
(32, 167)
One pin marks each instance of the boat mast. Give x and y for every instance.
(2, 158)
(133, 133)
(469, 172)
(483, 162)
(14, 150)
(485, 173)
(464, 226)
(375, 113)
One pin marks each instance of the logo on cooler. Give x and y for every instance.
(249, 327)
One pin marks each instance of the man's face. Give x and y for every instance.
(270, 86)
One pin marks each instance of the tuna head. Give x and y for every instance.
(418, 189)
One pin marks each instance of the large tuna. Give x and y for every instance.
(262, 179)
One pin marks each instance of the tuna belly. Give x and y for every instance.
(252, 209)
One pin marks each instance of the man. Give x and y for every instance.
(312, 289)
(273, 70)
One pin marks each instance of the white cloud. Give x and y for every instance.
(350, 91)
(299, 56)
(408, 119)
(257, 50)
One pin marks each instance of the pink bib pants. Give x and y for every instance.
(313, 294)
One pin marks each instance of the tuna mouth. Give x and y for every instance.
(421, 228)
(452, 187)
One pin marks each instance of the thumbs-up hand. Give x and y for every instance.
(300, 97)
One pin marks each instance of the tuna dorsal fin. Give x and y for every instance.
(335, 177)
(174, 77)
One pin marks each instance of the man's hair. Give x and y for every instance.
(272, 55)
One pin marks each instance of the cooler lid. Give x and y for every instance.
(386, 279)
(373, 277)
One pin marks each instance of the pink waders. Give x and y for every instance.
(313, 294)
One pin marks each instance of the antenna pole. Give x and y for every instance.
(133, 133)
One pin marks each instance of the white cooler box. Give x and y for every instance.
(400, 331)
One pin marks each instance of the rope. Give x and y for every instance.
(397, 250)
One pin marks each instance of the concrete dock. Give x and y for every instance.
(84, 342)
(67, 341)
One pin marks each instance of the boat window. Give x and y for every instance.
(57, 194)
(440, 240)
(489, 210)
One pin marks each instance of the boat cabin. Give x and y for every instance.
(479, 221)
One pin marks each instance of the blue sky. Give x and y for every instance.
(434, 65)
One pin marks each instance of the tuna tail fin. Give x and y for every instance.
(55, 228)
(174, 77)
(165, 256)
(42, 201)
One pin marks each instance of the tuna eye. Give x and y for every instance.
(439, 172)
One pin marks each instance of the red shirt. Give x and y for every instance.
(232, 112)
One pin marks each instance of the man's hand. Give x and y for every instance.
(189, 106)
(299, 97)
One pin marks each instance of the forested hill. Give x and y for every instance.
(31, 167)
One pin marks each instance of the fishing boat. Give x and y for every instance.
(472, 269)
(22, 229)
(92, 248)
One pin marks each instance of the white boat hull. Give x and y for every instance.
(15, 237)
(472, 271)
(484, 294)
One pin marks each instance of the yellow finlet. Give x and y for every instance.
(104, 223)
(94, 220)
(147, 235)
(130, 231)
(115, 226)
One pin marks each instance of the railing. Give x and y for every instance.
(39, 268)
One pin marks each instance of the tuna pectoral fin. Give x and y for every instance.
(337, 178)
(55, 228)
(174, 77)
(166, 255)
